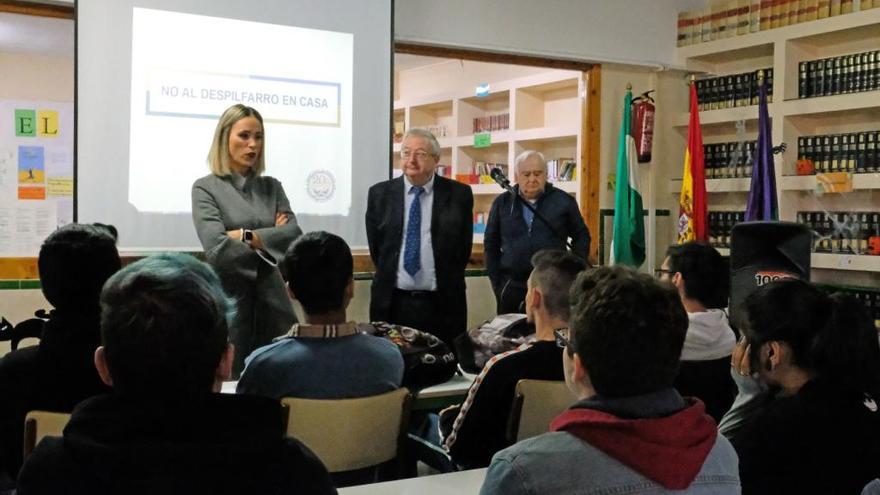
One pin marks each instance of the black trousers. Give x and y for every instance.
(421, 310)
(510, 297)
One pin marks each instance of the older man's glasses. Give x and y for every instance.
(562, 341)
(420, 156)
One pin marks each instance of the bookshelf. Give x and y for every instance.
(793, 117)
(541, 111)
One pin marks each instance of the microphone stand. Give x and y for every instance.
(504, 182)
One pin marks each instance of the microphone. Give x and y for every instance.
(498, 176)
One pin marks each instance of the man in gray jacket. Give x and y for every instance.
(630, 432)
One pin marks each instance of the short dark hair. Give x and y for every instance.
(706, 275)
(628, 328)
(830, 335)
(318, 266)
(74, 263)
(164, 326)
(554, 271)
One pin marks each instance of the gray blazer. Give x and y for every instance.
(220, 205)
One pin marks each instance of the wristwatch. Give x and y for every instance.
(247, 236)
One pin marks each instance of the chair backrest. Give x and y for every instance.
(348, 434)
(536, 403)
(39, 424)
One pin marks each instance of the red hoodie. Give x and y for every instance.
(669, 451)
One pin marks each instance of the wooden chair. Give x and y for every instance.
(536, 403)
(39, 424)
(351, 434)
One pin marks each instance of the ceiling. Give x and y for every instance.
(36, 35)
(405, 61)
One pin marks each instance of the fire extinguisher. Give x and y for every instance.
(643, 125)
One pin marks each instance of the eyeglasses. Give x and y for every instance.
(420, 156)
(562, 341)
(659, 272)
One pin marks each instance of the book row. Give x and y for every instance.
(720, 224)
(492, 123)
(735, 90)
(738, 17)
(870, 298)
(856, 152)
(842, 232)
(729, 160)
(852, 73)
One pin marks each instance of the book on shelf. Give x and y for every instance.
(742, 17)
(754, 16)
(854, 152)
(492, 123)
(482, 171)
(480, 222)
(561, 169)
(841, 232)
(732, 19)
(822, 7)
(834, 9)
(851, 73)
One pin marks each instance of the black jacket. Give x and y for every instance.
(53, 376)
(824, 439)
(482, 428)
(509, 244)
(452, 233)
(212, 444)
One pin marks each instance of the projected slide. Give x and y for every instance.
(299, 79)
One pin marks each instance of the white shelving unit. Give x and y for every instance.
(792, 117)
(545, 114)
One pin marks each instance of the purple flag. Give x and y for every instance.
(761, 204)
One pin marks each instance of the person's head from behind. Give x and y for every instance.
(698, 272)
(318, 267)
(165, 328)
(238, 142)
(553, 272)
(796, 332)
(74, 263)
(625, 336)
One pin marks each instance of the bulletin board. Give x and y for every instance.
(36, 173)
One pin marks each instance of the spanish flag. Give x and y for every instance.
(693, 214)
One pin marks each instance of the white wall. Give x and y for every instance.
(627, 31)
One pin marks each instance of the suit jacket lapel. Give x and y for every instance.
(442, 195)
(396, 207)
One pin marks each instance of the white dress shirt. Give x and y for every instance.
(426, 278)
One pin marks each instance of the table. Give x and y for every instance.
(434, 397)
(462, 482)
(444, 394)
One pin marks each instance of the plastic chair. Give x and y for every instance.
(39, 424)
(536, 403)
(351, 434)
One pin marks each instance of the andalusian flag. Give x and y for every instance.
(628, 239)
(693, 215)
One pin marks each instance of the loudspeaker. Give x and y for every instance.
(761, 252)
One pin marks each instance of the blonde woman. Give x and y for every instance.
(245, 224)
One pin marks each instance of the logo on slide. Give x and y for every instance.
(321, 185)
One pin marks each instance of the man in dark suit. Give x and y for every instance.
(420, 253)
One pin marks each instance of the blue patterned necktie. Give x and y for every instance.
(412, 260)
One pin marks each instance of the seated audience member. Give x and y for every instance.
(163, 428)
(74, 263)
(473, 431)
(631, 431)
(700, 275)
(818, 427)
(327, 357)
